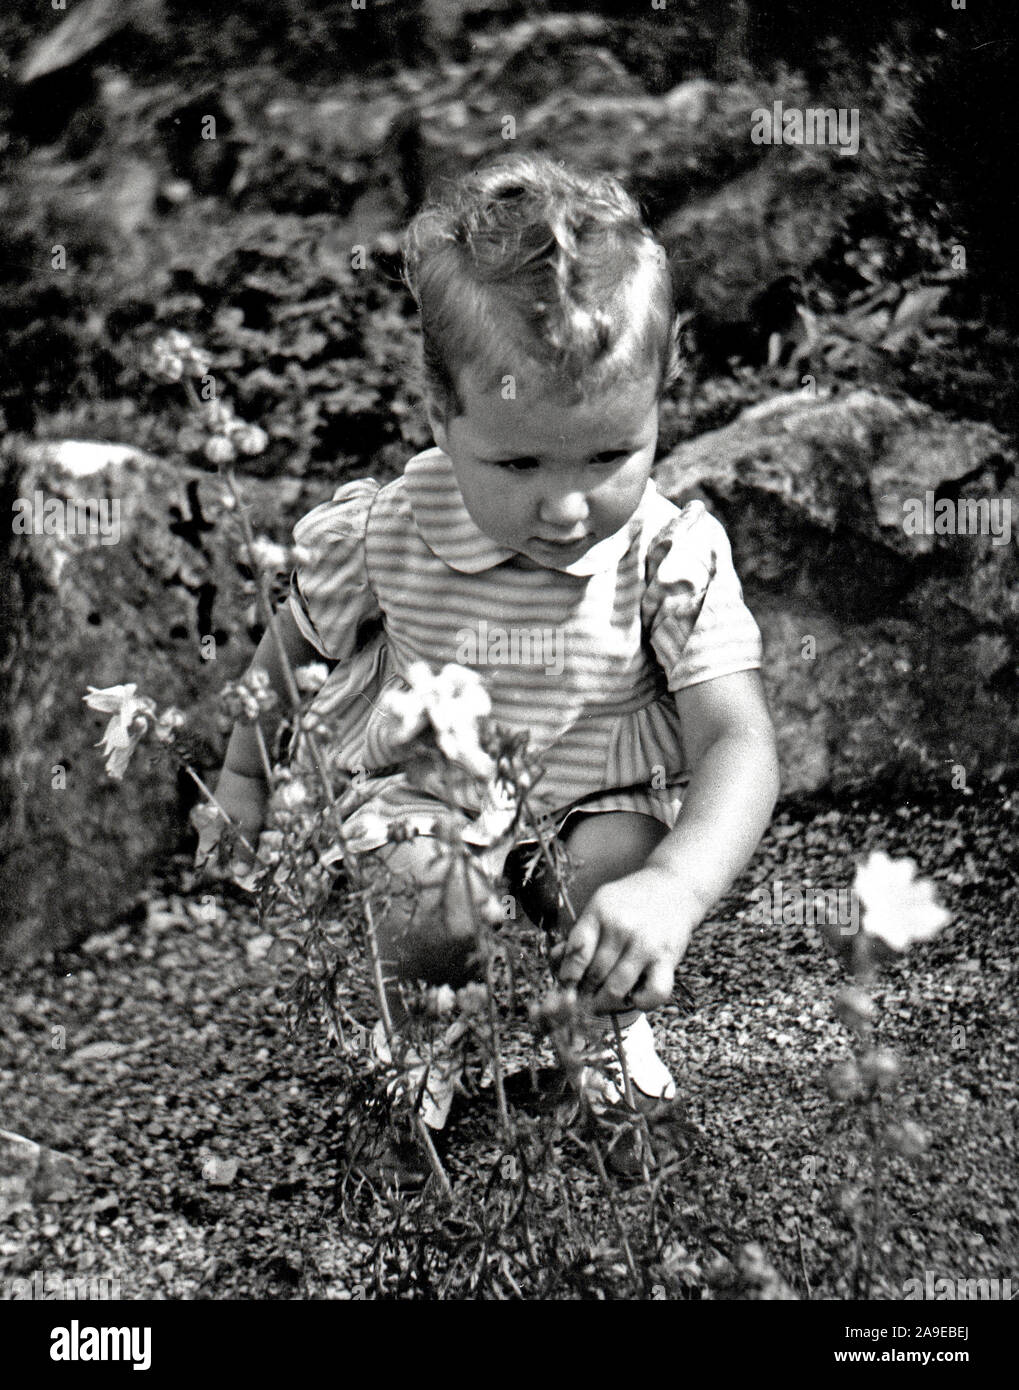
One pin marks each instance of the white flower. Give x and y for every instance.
(251, 439)
(454, 702)
(292, 796)
(266, 555)
(218, 449)
(312, 676)
(131, 716)
(370, 825)
(168, 723)
(440, 1001)
(457, 702)
(898, 907)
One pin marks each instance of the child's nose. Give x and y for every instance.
(564, 510)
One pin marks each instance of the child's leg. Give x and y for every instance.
(427, 931)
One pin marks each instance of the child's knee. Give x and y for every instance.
(430, 925)
(607, 846)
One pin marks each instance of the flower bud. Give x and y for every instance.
(219, 450)
(251, 439)
(265, 555)
(312, 676)
(849, 1197)
(168, 723)
(880, 1068)
(855, 1008)
(472, 998)
(439, 1001)
(844, 1081)
(190, 439)
(908, 1138)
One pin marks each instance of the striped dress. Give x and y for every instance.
(584, 658)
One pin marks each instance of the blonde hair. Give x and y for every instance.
(525, 263)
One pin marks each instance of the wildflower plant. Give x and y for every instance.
(899, 909)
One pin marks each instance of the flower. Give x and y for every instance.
(908, 1138)
(312, 676)
(219, 450)
(458, 702)
(880, 1068)
(164, 362)
(132, 715)
(844, 1081)
(454, 703)
(168, 723)
(270, 847)
(174, 356)
(265, 555)
(248, 698)
(439, 1001)
(218, 417)
(855, 1008)
(293, 796)
(898, 907)
(472, 998)
(251, 439)
(558, 1009)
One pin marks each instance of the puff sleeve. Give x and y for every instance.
(693, 609)
(330, 596)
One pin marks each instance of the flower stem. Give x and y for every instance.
(599, 1163)
(210, 797)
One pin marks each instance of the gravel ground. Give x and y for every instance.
(204, 1140)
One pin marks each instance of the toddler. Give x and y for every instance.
(549, 334)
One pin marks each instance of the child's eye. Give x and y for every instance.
(518, 465)
(611, 456)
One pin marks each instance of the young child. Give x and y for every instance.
(549, 334)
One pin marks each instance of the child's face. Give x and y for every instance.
(547, 479)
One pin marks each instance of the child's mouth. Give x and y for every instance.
(560, 545)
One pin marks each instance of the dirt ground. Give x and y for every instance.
(207, 1163)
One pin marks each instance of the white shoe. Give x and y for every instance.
(444, 1069)
(650, 1078)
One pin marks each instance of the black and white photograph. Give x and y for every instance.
(509, 734)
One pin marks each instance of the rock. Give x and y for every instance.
(30, 1173)
(220, 1172)
(729, 248)
(665, 147)
(103, 1051)
(887, 652)
(132, 602)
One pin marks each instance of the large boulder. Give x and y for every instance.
(873, 537)
(730, 248)
(136, 602)
(665, 147)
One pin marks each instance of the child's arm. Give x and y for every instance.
(241, 789)
(634, 932)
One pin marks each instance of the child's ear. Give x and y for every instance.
(438, 427)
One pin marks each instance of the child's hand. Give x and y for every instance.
(626, 945)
